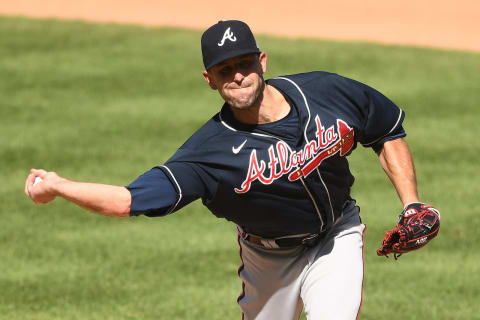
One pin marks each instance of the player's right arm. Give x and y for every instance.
(103, 199)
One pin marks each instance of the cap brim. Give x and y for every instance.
(229, 55)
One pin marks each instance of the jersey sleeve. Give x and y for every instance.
(152, 194)
(398, 133)
(165, 189)
(379, 119)
(191, 173)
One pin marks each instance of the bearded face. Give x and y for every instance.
(239, 80)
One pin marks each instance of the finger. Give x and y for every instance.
(29, 183)
(26, 183)
(39, 173)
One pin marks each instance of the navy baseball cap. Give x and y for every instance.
(225, 40)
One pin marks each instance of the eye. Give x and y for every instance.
(225, 71)
(245, 64)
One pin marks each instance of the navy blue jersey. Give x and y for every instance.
(281, 178)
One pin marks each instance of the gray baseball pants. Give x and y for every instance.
(326, 280)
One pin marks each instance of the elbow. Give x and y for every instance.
(124, 204)
(122, 207)
(123, 211)
(118, 208)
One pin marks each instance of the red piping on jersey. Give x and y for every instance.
(240, 269)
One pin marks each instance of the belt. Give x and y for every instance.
(306, 240)
(309, 240)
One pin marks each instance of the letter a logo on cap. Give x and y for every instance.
(227, 35)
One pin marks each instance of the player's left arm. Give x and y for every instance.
(419, 222)
(397, 162)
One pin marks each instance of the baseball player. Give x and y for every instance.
(273, 161)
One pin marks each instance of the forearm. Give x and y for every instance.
(397, 162)
(103, 199)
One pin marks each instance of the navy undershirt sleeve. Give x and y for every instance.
(152, 194)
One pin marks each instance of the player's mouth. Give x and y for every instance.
(238, 86)
(235, 87)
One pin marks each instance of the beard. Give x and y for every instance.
(243, 97)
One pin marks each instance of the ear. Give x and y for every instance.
(209, 80)
(263, 61)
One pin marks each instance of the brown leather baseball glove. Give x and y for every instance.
(417, 225)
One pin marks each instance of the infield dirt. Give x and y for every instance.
(441, 23)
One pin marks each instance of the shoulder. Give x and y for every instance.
(209, 131)
(303, 78)
(211, 138)
(214, 133)
(315, 80)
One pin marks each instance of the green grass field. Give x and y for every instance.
(104, 103)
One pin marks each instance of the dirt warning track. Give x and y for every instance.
(441, 23)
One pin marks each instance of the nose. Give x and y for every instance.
(238, 77)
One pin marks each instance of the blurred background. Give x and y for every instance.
(102, 91)
(441, 23)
